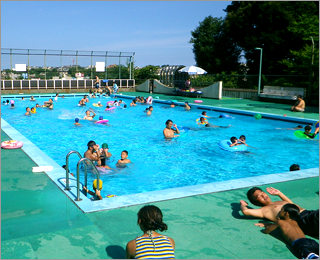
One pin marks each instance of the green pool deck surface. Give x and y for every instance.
(39, 222)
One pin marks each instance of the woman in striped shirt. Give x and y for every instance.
(151, 245)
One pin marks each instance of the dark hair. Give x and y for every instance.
(250, 195)
(207, 125)
(150, 107)
(7, 100)
(242, 136)
(201, 119)
(27, 108)
(168, 121)
(125, 105)
(91, 143)
(151, 218)
(294, 167)
(307, 128)
(299, 96)
(203, 112)
(293, 211)
(125, 151)
(300, 126)
(233, 139)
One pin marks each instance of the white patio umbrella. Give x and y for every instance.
(193, 70)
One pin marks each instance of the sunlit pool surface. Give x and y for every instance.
(160, 164)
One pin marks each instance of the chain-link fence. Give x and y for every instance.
(65, 64)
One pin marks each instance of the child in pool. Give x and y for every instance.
(307, 132)
(124, 159)
(242, 140)
(76, 120)
(96, 194)
(234, 141)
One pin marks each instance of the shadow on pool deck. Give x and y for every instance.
(39, 221)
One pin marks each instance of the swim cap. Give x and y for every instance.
(94, 185)
(105, 145)
(100, 117)
(99, 102)
(76, 120)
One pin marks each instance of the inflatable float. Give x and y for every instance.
(225, 145)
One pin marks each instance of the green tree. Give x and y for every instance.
(265, 24)
(213, 49)
(147, 72)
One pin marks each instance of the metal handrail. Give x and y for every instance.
(78, 176)
(67, 167)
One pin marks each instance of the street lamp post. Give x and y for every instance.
(259, 84)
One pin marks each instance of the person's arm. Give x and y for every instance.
(233, 144)
(269, 227)
(172, 242)
(88, 191)
(177, 130)
(131, 249)
(274, 191)
(250, 212)
(98, 193)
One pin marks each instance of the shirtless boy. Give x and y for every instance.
(309, 219)
(93, 152)
(169, 132)
(299, 106)
(287, 218)
(124, 159)
(88, 116)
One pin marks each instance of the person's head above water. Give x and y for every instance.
(150, 218)
(76, 120)
(233, 139)
(242, 137)
(299, 126)
(91, 143)
(124, 154)
(258, 197)
(204, 113)
(307, 128)
(294, 167)
(168, 122)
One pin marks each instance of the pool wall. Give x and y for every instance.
(58, 174)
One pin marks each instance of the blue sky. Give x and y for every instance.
(157, 31)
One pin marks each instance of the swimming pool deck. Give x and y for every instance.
(39, 221)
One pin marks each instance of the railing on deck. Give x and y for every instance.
(63, 84)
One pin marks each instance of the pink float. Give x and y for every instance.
(104, 121)
(198, 101)
(111, 108)
(12, 144)
(110, 102)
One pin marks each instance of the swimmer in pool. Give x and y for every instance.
(22, 98)
(242, 140)
(33, 110)
(203, 121)
(133, 103)
(93, 152)
(49, 104)
(234, 141)
(150, 111)
(28, 113)
(293, 128)
(76, 120)
(56, 97)
(169, 132)
(217, 126)
(124, 159)
(307, 132)
(186, 105)
(104, 153)
(172, 104)
(37, 105)
(204, 114)
(88, 114)
(32, 98)
(99, 104)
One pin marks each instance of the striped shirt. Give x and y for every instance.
(145, 249)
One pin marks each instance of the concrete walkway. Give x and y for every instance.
(39, 221)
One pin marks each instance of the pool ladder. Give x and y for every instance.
(78, 175)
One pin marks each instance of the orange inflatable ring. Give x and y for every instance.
(11, 144)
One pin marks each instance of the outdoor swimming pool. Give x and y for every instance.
(158, 163)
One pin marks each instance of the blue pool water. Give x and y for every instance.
(158, 163)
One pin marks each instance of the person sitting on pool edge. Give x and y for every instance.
(299, 106)
(169, 132)
(304, 248)
(309, 219)
(294, 167)
(88, 116)
(307, 132)
(124, 159)
(96, 194)
(76, 120)
(186, 105)
(151, 244)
